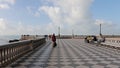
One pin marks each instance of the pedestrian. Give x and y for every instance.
(100, 39)
(54, 40)
(50, 37)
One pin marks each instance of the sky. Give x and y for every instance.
(18, 17)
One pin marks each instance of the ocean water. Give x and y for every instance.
(5, 39)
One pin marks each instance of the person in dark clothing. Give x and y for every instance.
(54, 40)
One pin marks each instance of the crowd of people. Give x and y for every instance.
(93, 39)
(53, 38)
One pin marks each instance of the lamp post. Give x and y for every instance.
(59, 31)
(72, 33)
(100, 29)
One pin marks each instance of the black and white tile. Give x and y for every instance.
(70, 53)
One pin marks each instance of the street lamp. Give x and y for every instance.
(100, 29)
(72, 33)
(59, 31)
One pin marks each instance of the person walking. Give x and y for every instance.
(54, 40)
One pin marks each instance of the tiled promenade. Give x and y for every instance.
(70, 53)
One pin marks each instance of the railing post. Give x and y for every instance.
(1, 58)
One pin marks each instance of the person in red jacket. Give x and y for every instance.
(54, 40)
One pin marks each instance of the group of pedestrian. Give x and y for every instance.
(100, 39)
(94, 39)
(53, 39)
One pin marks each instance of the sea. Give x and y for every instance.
(5, 39)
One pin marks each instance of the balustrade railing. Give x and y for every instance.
(11, 52)
(113, 40)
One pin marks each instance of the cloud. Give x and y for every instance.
(70, 15)
(53, 12)
(29, 9)
(5, 4)
(74, 15)
(5, 27)
(2, 24)
(8, 1)
(98, 21)
(37, 14)
(32, 11)
(19, 28)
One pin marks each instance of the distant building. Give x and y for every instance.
(28, 37)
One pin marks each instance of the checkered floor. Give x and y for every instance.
(70, 53)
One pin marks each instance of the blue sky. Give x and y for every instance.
(45, 16)
(106, 9)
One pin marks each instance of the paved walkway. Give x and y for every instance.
(70, 53)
